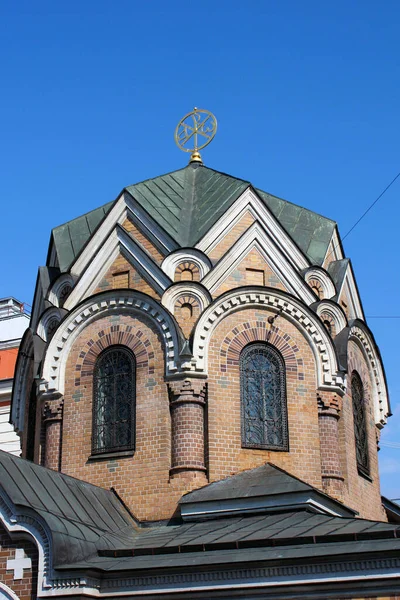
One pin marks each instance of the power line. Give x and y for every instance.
(365, 213)
(372, 205)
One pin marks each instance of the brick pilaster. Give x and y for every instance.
(52, 420)
(187, 403)
(329, 407)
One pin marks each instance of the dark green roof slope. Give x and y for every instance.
(188, 202)
(81, 517)
(70, 238)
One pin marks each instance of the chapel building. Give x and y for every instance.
(198, 361)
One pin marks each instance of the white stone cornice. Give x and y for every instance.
(186, 254)
(256, 238)
(129, 302)
(328, 375)
(118, 241)
(183, 288)
(250, 201)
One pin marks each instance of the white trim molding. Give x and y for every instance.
(334, 311)
(366, 343)
(186, 255)
(329, 377)
(56, 290)
(119, 241)
(256, 238)
(250, 201)
(48, 323)
(25, 363)
(184, 288)
(323, 278)
(103, 304)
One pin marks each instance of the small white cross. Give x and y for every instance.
(19, 563)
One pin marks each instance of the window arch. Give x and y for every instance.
(114, 401)
(263, 398)
(360, 423)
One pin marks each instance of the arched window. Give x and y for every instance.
(360, 423)
(114, 401)
(263, 398)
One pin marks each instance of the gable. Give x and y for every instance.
(122, 274)
(253, 269)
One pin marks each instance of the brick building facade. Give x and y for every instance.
(193, 332)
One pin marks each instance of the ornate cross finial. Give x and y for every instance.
(195, 131)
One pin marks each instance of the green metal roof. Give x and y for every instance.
(188, 202)
(70, 238)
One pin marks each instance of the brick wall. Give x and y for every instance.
(245, 271)
(142, 480)
(226, 456)
(25, 588)
(232, 236)
(113, 279)
(361, 493)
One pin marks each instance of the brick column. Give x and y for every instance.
(329, 406)
(52, 420)
(187, 403)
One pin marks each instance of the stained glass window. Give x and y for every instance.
(114, 401)
(263, 398)
(360, 424)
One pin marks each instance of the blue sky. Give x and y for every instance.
(307, 97)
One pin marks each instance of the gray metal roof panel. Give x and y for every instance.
(80, 516)
(261, 481)
(229, 557)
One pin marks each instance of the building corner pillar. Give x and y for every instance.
(187, 405)
(329, 408)
(52, 422)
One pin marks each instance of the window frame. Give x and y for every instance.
(268, 350)
(358, 405)
(127, 449)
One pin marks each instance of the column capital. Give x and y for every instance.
(329, 403)
(187, 390)
(52, 410)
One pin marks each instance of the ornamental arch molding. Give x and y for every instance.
(361, 335)
(329, 377)
(98, 306)
(24, 372)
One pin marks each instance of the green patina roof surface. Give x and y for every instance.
(188, 202)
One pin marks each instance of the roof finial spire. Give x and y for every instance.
(199, 127)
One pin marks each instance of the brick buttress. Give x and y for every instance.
(328, 418)
(187, 404)
(52, 421)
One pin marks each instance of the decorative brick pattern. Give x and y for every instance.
(243, 274)
(230, 336)
(316, 287)
(26, 587)
(187, 271)
(143, 241)
(136, 281)
(141, 480)
(186, 312)
(359, 492)
(329, 323)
